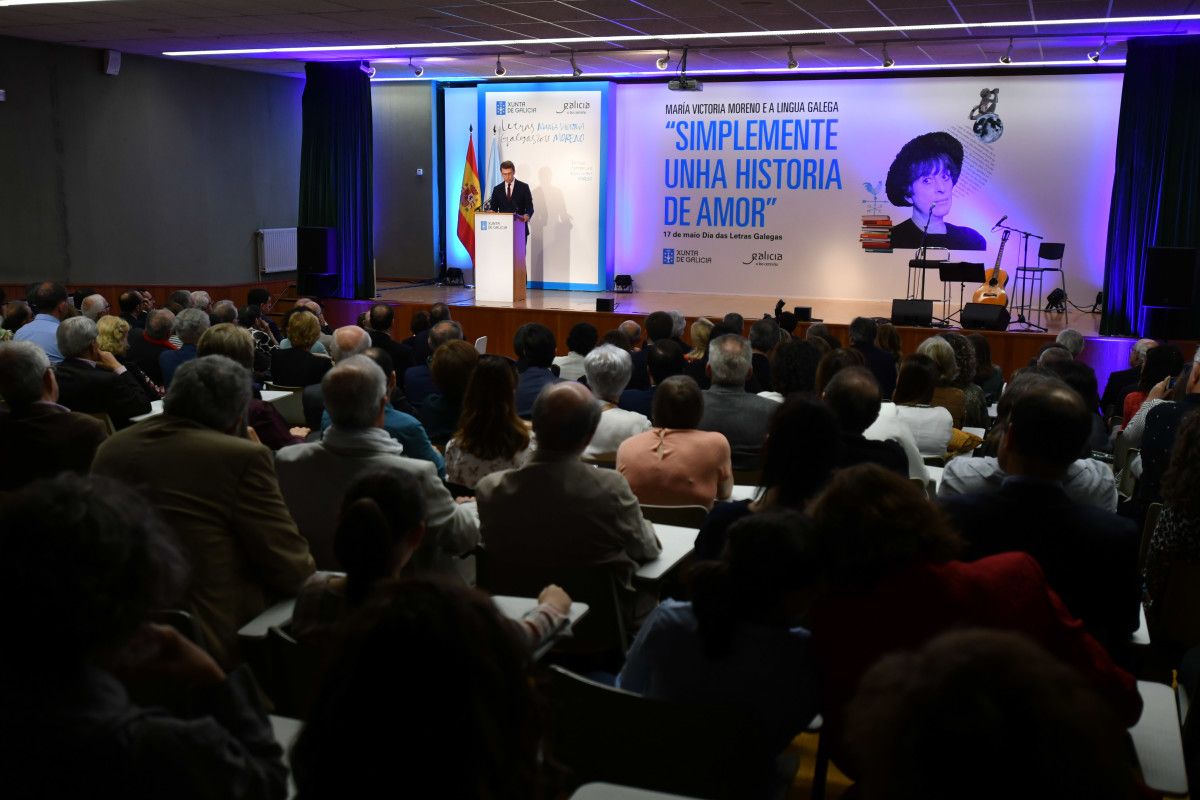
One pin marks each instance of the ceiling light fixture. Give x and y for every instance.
(690, 37)
(1095, 55)
(500, 70)
(575, 70)
(5, 3)
(1007, 57)
(663, 61)
(791, 59)
(418, 70)
(888, 61)
(366, 67)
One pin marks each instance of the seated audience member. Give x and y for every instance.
(733, 320)
(634, 331)
(1168, 390)
(112, 336)
(417, 323)
(418, 380)
(1086, 480)
(16, 314)
(819, 330)
(802, 425)
(421, 351)
(265, 341)
(451, 367)
(892, 584)
(94, 306)
(977, 703)
(313, 476)
(1161, 363)
(91, 380)
(379, 324)
(348, 340)
(1082, 379)
(580, 341)
(932, 426)
(1089, 556)
(596, 517)
(660, 361)
(490, 437)
(41, 438)
(975, 406)
(673, 464)
(728, 409)
(988, 376)
(99, 562)
(659, 325)
(834, 362)
(1123, 381)
(146, 345)
(401, 426)
(887, 339)
(608, 369)
(1176, 536)
(1161, 425)
(202, 300)
(1072, 340)
(945, 394)
(853, 396)
(51, 305)
(224, 311)
(679, 324)
(738, 643)
(326, 338)
(881, 363)
(764, 338)
(380, 529)
(298, 365)
(697, 369)
(190, 325)
(793, 369)
(133, 308)
(534, 345)
(227, 339)
(217, 489)
(442, 659)
(302, 306)
(260, 298)
(1053, 357)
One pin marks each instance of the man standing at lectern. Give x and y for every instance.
(512, 195)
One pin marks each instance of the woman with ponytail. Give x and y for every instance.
(737, 643)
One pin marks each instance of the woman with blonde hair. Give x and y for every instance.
(701, 331)
(298, 365)
(113, 337)
(946, 394)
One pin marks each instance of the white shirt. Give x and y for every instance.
(1087, 480)
(889, 426)
(570, 366)
(931, 426)
(616, 425)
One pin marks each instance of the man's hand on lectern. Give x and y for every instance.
(525, 218)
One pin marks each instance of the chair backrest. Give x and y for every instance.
(294, 671)
(606, 734)
(1175, 615)
(481, 345)
(683, 516)
(1147, 531)
(1051, 251)
(605, 628)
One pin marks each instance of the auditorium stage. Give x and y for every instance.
(560, 310)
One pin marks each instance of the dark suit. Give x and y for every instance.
(296, 367)
(44, 440)
(861, 450)
(639, 400)
(145, 352)
(1116, 388)
(1089, 555)
(882, 365)
(529, 385)
(418, 384)
(744, 420)
(85, 387)
(401, 354)
(521, 201)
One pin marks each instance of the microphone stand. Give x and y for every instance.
(922, 251)
(1025, 288)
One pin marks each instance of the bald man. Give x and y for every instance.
(557, 514)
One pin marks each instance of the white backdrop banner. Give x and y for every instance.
(557, 137)
(826, 188)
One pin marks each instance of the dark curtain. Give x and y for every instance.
(335, 168)
(1156, 186)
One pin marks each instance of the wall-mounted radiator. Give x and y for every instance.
(276, 249)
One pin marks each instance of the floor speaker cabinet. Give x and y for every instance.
(605, 304)
(984, 317)
(316, 260)
(1171, 276)
(1170, 322)
(912, 312)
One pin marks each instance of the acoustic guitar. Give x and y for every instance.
(992, 291)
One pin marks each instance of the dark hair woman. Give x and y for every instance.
(490, 437)
(988, 376)
(932, 426)
(1176, 536)
(1161, 362)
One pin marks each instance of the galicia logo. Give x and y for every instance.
(765, 259)
(578, 106)
(501, 108)
(668, 255)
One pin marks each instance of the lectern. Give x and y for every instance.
(499, 257)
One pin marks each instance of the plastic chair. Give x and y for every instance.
(1053, 252)
(607, 734)
(683, 516)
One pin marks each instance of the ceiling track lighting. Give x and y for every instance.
(575, 70)
(418, 70)
(500, 70)
(1096, 55)
(663, 61)
(1007, 57)
(888, 61)
(792, 63)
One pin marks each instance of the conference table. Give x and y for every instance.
(156, 406)
(677, 542)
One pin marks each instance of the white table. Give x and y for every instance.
(980, 432)
(1158, 742)
(743, 493)
(611, 791)
(676, 542)
(156, 406)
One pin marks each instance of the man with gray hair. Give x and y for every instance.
(94, 306)
(1072, 340)
(215, 485)
(608, 368)
(633, 330)
(557, 515)
(744, 418)
(314, 476)
(346, 342)
(91, 380)
(202, 300)
(190, 325)
(223, 311)
(418, 380)
(145, 346)
(41, 438)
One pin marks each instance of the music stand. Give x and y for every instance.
(960, 272)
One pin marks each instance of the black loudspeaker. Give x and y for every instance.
(912, 312)
(1170, 323)
(316, 260)
(1170, 276)
(605, 304)
(803, 313)
(984, 317)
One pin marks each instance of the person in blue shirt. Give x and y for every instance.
(51, 305)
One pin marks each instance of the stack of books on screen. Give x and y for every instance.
(876, 234)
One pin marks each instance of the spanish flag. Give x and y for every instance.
(468, 199)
